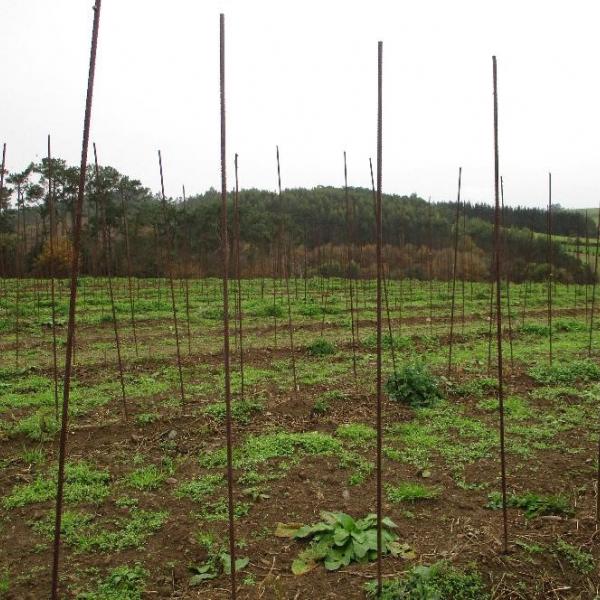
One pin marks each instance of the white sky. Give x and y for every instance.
(303, 75)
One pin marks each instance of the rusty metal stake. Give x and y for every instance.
(497, 261)
(226, 357)
(72, 304)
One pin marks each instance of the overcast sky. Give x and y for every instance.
(303, 75)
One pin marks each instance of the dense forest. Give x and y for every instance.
(306, 231)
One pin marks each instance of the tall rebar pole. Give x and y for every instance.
(72, 304)
(52, 286)
(510, 331)
(550, 270)
(349, 248)
(226, 358)
(238, 274)
(129, 283)
(593, 306)
(286, 274)
(108, 270)
(497, 260)
(378, 226)
(170, 274)
(187, 277)
(454, 266)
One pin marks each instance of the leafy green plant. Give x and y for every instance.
(414, 385)
(217, 563)
(580, 560)
(534, 505)
(338, 540)
(122, 583)
(320, 407)
(439, 581)
(146, 418)
(320, 347)
(410, 492)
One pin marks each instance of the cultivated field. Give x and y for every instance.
(146, 498)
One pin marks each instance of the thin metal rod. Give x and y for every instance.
(349, 251)
(72, 303)
(550, 269)
(108, 269)
(593, 305)
(52, 286)
(286, 259)
(129, 283)
(506, 274)
(497, 260)
(454, 267)
(170, 273)
(187, 277)
(226, 357)
(238, 274)
(378, 225)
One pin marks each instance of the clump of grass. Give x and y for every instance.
(515, 406)
(122, 583)
(146, 478)
(582, 561)
(534, 505)
(414, 385)
(534, 329)
(146, 418)
(410, 492)
(439, 581)
(579, 370)
(241, 410)
(83, 483)
(321, 406)
(84, 535)
(357, 433)
(198, 489)
(320, 347)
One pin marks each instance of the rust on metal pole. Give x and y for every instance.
(170, 272)
(72, 303)
(378, 226)
(454, 265)
(497, 261)
(226, 357)
(52, 287)
(238, 274)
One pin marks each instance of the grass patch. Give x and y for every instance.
(410, 492)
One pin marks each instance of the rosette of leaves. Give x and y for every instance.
(339, 540)
(216, 564)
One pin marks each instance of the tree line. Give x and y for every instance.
(306, 230)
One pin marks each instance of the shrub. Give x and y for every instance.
(414, 385)
(321, 347)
